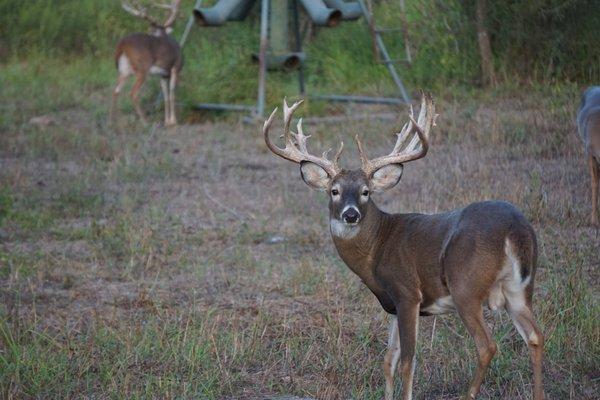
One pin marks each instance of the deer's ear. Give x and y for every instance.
(386, 177)
(314, 176)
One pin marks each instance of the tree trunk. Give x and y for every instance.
(485, 48)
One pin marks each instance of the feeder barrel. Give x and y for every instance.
(350, 10)
(320, 14)
(222, 11)
(278, 35)
(279, 55)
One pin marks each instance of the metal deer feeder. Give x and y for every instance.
(274, 51)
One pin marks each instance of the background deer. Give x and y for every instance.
(419, 264)
(140, 54)
(588, 122)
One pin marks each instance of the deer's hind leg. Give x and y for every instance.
(115, 95)
(125, 70)
(517, 289)
(140, 78)
(471, 313)
(519, 309)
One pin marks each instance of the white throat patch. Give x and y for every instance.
(342, 230)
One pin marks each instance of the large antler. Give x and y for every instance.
(416, 148)
(171, 18)
(295, 143)
(141, 12)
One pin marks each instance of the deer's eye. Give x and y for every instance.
(335, 192)
(365, 193)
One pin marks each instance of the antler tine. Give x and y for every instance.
(162, 5)
(295, 143)
(130, 9)
(301, 137)
(174, 9)
(288, 113)
(269, 121)
(422, 138)
(424, 112)
(139, 12)
(364, 160)
(416, 148)
(336, 158)
(401, 137)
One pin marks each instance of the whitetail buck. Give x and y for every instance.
(419, 264)
(140, 54)
(588, 122)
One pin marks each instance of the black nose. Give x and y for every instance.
(351, 215)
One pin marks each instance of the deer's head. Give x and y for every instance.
(350, 190)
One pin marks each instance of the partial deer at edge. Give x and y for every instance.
(141, 54)
(588, 122)
(418, 264)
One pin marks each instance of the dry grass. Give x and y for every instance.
(139, 264)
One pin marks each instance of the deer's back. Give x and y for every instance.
(588, 121)
(481, 225)
(145, 51)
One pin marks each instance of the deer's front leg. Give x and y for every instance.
(408, 326)
(164, 84)
(172, 83)
(391, 359)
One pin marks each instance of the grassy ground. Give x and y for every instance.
(140, 263)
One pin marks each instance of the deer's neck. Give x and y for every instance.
(360, 246)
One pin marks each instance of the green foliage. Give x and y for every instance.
(545, 39)
(534, 40)
(442, 39)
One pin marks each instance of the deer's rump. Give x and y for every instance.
(593, 134)
(588, 121)
(490, 250)
(492, 244)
